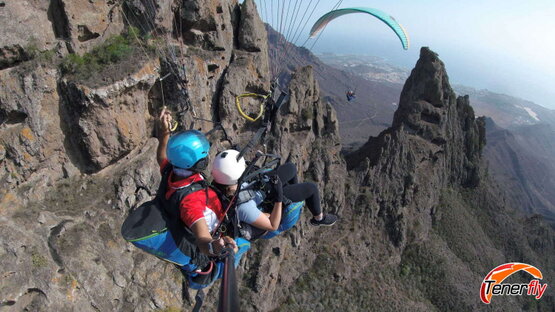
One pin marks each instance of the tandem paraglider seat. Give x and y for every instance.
(151, 229)
(289, 218)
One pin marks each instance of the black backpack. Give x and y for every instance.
(156, 227)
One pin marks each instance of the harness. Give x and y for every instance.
(182, 235)
(248, 192)
(269, 108)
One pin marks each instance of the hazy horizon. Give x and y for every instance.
(497, 45)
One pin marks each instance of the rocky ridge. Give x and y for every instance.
(518, 153)
(522, 160)
(435, 142)
(75, 158)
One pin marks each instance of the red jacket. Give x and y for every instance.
(195, 206)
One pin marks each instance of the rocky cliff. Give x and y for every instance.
(77, 153)
(435, 142)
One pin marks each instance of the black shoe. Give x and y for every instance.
(328, 220)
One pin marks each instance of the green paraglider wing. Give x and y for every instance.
(384, 17)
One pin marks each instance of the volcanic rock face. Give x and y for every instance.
(150, 15)
(30, 135)
(250, 29)
(106, 123)
(209, 25)
(32, 31)
(435, 142)
(77, 155)
(248, 72)
(84, 31)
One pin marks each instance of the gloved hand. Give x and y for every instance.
(276, 189)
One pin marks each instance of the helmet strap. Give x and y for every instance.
(182, 172)
(200, 165)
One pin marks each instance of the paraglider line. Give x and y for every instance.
(294, 20)
(311, 13)
(287, 23)
(288, 47)
(280, 39)
(280, 16)
(134, 34)
(144, 50)
(292, 43)
(300, 22)
(320, 34)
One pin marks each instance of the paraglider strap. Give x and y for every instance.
(217, 127)
(269, 113)
(269, 110)
(252, 95)
(268, 166)
(199, 300)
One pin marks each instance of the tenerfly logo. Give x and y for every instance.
(493, 282)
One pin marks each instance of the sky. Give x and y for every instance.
(505, 46)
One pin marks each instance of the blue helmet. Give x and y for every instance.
(186, 148)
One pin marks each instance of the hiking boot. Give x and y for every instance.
(328, 220)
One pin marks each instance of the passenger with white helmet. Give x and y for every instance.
(226, 170)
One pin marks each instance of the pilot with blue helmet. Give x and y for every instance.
(182, 157)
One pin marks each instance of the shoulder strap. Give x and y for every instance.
(191, 188)
(171, 205)
(244, 196)
(163, 186)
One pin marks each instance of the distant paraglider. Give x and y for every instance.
(350, 95)
(390, 21)
(384, 17)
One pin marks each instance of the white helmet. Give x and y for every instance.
(226, 169)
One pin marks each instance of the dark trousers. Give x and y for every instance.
(296, 191)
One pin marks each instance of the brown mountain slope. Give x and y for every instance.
(521, 157)
(523, 160)
(424, 223)
(507, 111)
(369, 114)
